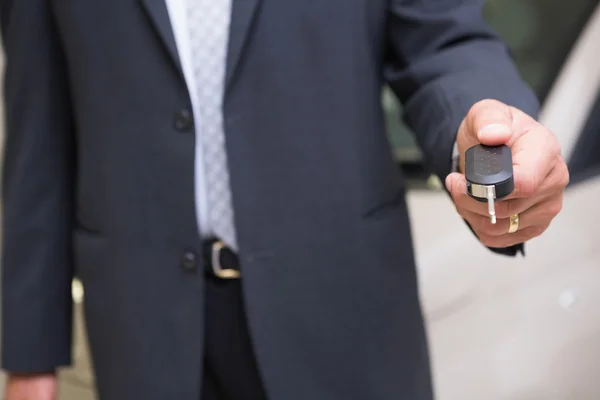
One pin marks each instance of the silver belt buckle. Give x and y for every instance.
(218, 270)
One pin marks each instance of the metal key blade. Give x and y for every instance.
(491, 195)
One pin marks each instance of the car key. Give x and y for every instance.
(489, 174)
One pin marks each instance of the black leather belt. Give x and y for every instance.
(220, 260)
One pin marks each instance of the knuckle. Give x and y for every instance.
(552, 143)
(565, 176)
(555, 149)
(566, 180)
(560, 176)
(555, 207)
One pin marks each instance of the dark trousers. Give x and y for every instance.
(230, 370)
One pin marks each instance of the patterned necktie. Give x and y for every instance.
(208, 23)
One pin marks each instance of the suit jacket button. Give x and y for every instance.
(189, 261)
(183, 121)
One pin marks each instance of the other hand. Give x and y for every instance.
(539, 170)
(31, 387)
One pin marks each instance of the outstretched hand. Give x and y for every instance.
(540, 174)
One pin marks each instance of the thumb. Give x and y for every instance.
(490, 122)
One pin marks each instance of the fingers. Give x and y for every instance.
(538, 215)
(531, 168)
(457, 186)
(520, 200)
(532, 223)
(535, 213)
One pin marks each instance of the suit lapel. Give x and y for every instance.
(159, 16)
(242, 16)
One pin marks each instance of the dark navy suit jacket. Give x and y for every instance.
(98, 183)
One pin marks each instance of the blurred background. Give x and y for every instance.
(502, 328)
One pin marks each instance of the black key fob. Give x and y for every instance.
(489, 174)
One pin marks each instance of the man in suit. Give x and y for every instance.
(218, 176)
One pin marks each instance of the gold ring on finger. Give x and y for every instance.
(513, 224)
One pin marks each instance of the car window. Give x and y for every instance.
(540, 34)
